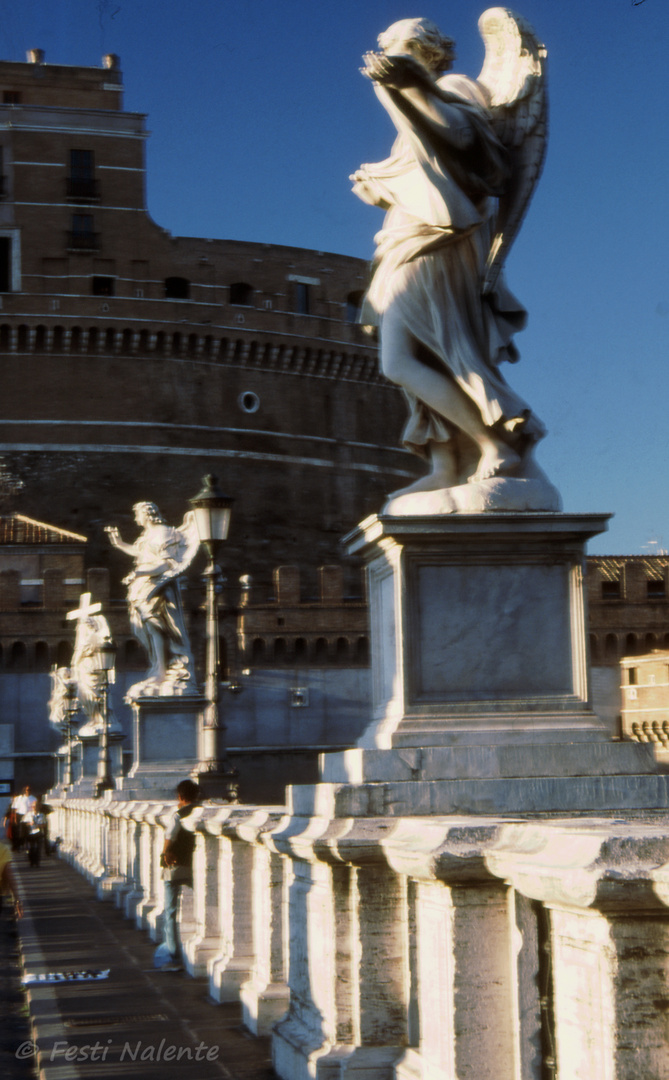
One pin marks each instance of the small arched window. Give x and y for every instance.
(362, 650)
(64, 654)
(342, 650)
(611, 647)
(631, 645)
(17, 656)
(279, 650)
(321, 651)
(41, 656)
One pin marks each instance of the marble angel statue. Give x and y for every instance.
(92, 632)
(456, 186)
(59, 701)
(162, 554)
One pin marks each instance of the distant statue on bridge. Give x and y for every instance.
(162, 554)
(461, 173)
(92, 632)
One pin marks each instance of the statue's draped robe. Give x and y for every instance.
(440, 186)
(154, 598)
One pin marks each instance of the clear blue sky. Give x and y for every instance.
(258, 114)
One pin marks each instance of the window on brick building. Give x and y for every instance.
(82, 235)
(353, 305)
(5, 264)
(632, 676)
(631, 645)
(11, 97)
(41, 656)
(102, 286)
(241, 293)
(611, 647)
(81, 183)
(611, 590)
(177, 288)
(656, 589)
(302, 298)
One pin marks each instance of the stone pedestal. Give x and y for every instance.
(478, 627)
(481, 699)
(86, 758)
(165, 745)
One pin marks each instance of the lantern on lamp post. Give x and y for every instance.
(211, 510)
(105, 658)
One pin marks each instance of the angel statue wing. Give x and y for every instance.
(514, 74)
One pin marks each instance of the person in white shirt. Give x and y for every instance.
(21, 804)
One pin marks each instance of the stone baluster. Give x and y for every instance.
(233, 963)
(134, 893)
(265, 994)
(205, 940)
(147, 880)
(154, 914)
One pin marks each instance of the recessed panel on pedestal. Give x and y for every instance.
(489, 632)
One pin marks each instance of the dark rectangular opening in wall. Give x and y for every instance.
(5, 264)
(611, 590)
(302, 298)
(656, 589)
(102, 286)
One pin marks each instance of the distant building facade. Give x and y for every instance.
(628, 605)
(134, 361)
(645, 700)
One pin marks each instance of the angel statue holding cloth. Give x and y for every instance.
(456, 186)
(161, 554)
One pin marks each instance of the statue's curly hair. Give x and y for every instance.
(152, 512)
(424, 40)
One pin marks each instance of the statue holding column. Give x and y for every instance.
(461, 173)
(161, 554)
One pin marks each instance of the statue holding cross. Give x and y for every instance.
(92, 631)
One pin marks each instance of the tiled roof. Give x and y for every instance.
(18, 529)
(611, 566)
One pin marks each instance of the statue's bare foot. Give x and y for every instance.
(443, 472)
(497, 459)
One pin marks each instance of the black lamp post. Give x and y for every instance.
(105, 657)
(212, 518)
(71, 708)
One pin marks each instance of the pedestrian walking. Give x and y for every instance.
(34, 823)
(177, 863)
